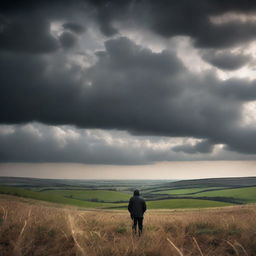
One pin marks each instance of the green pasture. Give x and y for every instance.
(184, 203)
(90, 194)
(185, 191)
(248, 194)
(55, 198)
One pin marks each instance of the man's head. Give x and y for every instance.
(136, 192)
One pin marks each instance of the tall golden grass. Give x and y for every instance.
(43, 229)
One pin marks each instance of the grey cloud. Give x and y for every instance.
(201, 147)
(68, 40)
(67, 144)
(129, 88)
(74, 27)
(224, 36)
(238, 89)
(185, 18)
(25, 26)
(226, 60)
(26, 34)
(107, 12)
(164, 18)
(40, 143)
(243, 142)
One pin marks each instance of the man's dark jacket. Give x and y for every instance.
(137, 206)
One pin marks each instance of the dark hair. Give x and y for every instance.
(136, 192)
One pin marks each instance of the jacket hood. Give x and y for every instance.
(136, 192)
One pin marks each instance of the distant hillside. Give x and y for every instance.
(28, 182)
(78, 183)
(214, 182)
(210, 182)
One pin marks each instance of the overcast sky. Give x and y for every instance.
(135, 85)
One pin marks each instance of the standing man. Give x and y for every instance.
(137, 207)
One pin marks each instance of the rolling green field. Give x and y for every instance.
(59, 196)
(55, 198)
(184, 203)
(246, 194)
(186, 191)
(90, 194)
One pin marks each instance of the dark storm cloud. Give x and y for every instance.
(129, 87)
(165, 18)
(68, 40)
(226, 60)
(107, 12)
(25, 26)
(185, 17)
(189, 19)
(74, 27)
(26, 34)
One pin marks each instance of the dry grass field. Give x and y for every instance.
(35, 228)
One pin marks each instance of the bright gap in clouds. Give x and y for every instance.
(247, 71)
(232, 17)
(56, 28)
(249, 114)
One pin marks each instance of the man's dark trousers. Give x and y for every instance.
(138, 221)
